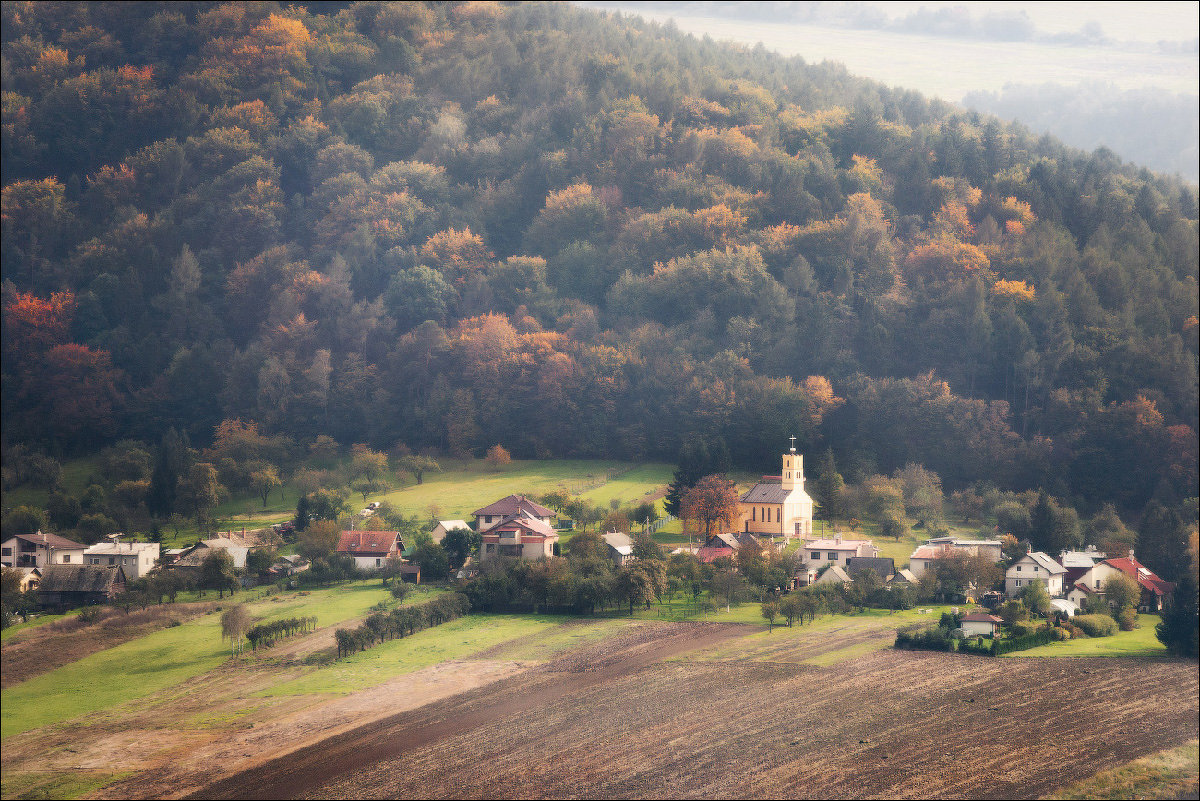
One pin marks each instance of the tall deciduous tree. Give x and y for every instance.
(712, 501)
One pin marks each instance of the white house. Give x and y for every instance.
(444, 527)
(835, 551)
(39, 550)
(981, 623)
(941, 547)
(1034, 566)
(370, 549)
(137, 558)
(620, 547)
(836, 574)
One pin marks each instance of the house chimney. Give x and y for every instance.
(1131, 559)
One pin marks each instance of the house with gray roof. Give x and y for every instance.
(620, 547)
(885, 566)
(1034, 566)
(72, 586)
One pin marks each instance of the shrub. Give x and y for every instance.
(1127, 619)
(1096, 625)
(1042, 636)
(89, 614)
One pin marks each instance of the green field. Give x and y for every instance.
(454, 640)
(456, 492)
(133, 670)
(1139, 642)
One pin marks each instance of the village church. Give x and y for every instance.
(778, 505)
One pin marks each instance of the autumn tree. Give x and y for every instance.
(712, 501)
(319, 539)
(498, 457)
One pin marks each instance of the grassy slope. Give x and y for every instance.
(453, 640)
(458, 491)
(1139, 642)
(138, 668)
(1174, 773)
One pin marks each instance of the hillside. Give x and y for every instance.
(578, 235)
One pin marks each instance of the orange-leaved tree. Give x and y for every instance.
(711, 501)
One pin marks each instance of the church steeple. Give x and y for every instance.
(793, 469)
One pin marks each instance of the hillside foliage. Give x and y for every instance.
(573, 234)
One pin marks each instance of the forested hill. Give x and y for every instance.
(573, 234)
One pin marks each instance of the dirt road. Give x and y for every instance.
(391, 738)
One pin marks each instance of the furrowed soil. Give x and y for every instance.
(687, 711)
(629, 708)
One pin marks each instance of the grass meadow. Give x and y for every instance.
(1139, 642)
(133, 670)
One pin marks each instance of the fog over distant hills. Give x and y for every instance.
(1108, 75)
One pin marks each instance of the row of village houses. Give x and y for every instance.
(773, 512)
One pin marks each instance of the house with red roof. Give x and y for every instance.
(506, 508)
(518, 536)
(370, 549)
(981, 623)
(835, 551)
(1154, 589)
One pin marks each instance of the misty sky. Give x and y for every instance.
(1071, 43)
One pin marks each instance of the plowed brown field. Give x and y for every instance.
(616, 720)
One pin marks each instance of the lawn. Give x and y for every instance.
(460, 490)
(39, 620)
(138, 668)
(1139, 642)
(454, 640)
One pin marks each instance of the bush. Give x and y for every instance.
(1042, 636)
(930, 638)
(89, 614)
(1096, 625)
(1127, 619)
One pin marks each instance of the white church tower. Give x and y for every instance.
(778, 506)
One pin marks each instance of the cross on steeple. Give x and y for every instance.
(793, 439)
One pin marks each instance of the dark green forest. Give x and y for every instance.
(446, 226)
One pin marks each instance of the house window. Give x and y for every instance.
(1018, 568)
(1018, 582)
(8, 551)
(833, 556)
(66, 558)
(95, 560)
(378, 563)
(816, 555)
(754, 514)
(1035, 568)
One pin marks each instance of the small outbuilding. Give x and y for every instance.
(981, 623)
(71, 586)
(835, 574)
